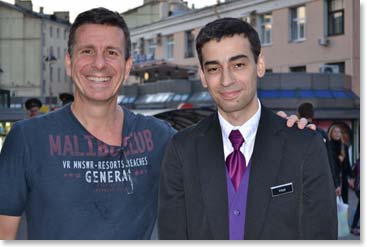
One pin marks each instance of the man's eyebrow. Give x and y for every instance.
(114, 48)
(212, 62)
(237, 57)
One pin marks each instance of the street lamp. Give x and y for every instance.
(1, 71)
(50, 59)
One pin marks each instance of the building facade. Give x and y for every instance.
(297, 35)
(32, 50)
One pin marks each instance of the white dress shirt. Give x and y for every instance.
(248, 131)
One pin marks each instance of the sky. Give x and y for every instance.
(77, 6)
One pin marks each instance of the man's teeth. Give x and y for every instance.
(98, 79)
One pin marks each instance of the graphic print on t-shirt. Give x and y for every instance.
(107, 168)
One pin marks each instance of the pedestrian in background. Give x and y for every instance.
(342, 167)
(355, 185)
(33, 106)
(66, 98)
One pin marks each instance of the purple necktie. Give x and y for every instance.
(236, 162)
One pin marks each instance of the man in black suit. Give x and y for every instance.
(241, 173)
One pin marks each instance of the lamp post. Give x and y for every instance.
(1, 71)
(50, 60)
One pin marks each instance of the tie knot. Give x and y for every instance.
(236, 139)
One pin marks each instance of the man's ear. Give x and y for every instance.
(68, 64)
(260, 66)
(203, 80)
(128, 66)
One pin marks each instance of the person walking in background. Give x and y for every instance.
(306, 110)
(355, 185)
(342, 167)
(33, 106)
(66, 98)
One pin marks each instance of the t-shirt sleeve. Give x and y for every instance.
(13, 185)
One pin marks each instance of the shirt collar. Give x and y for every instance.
(248, 129)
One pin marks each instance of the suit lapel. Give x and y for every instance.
(212, 171)
(265, 160)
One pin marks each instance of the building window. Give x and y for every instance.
(51, 52)
(340, 66)
(58, 32)
(169, 47)
(51, 31)
(189, 43)
(141, 47)
(134, 49)
(268, 70)
(65, 34)
(297, 69)
(150, 49)
(298, 23)
(58, 53)
(265, 28)
(58, 75)
(335, 12)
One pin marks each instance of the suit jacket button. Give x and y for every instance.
(236, 212)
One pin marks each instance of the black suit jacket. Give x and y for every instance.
(193, 191)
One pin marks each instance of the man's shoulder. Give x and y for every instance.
(137, 121)
(292, 134)
(42, 121)
(197, 129)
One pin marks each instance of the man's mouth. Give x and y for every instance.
(98, 78)
(230, 94)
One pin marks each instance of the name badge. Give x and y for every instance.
(281, 189)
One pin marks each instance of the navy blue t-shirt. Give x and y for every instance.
(74, 186)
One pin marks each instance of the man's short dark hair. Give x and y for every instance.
(227, 27)
(101, 16)
(306, 110)
(32, 102)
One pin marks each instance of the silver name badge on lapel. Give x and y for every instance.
(281, 189)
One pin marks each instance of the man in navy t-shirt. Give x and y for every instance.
(89, 170)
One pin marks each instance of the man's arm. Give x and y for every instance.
(171, 205)
(318, 215)
(9, 227)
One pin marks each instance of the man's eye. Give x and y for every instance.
(239, 65)
(212, 69)
(86, 51)
(112, 53)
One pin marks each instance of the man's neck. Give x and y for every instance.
(103, 121)
(238, 118)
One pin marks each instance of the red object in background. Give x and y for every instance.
(184, 105)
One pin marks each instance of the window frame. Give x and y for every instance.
(263, 28)
(169, 47)
(331, 20)
(296, 22)
(189, 44)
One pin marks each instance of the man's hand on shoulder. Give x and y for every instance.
(292, 119)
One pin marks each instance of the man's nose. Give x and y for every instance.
(99, 60)
(227, 77)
